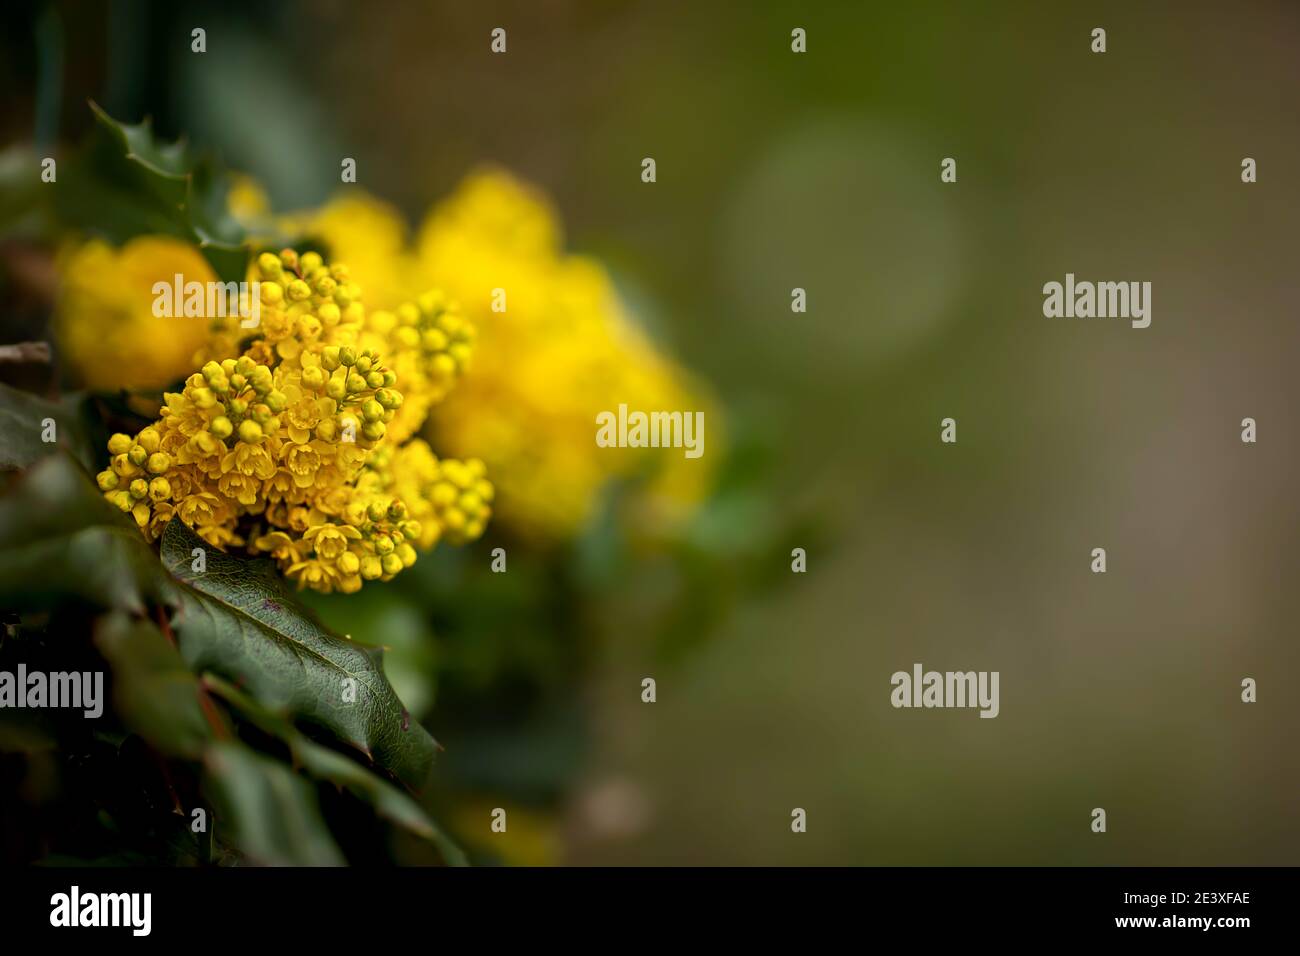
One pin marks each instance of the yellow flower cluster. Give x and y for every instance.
(282, 442)
(105, 326)
(429, 343)
(451, 499)
(558, 349)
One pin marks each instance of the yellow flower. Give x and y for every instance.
(105, 324)
(303, 461)
(240, 486)
(317, 574)
(200, 509)
(331, 540)
(251, 460)
(563, 350)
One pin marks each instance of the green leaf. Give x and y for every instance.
(23, 418)
(272, 813)
(237, 620)
(153, 693)
(60, 538)
(125, 183)
(326, 764)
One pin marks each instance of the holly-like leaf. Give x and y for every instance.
(125, 183)
(59, 538)
(270, 813)
(325, 764)
(237, 620)
(27, 420)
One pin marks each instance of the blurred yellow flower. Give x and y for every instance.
(247, 201)
(105, 325)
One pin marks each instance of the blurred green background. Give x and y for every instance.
(821, 171)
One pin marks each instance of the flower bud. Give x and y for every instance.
(433, 340)
(308, 327)
(337, 388)
(269, 265)
(148, 439)
(313, 376)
